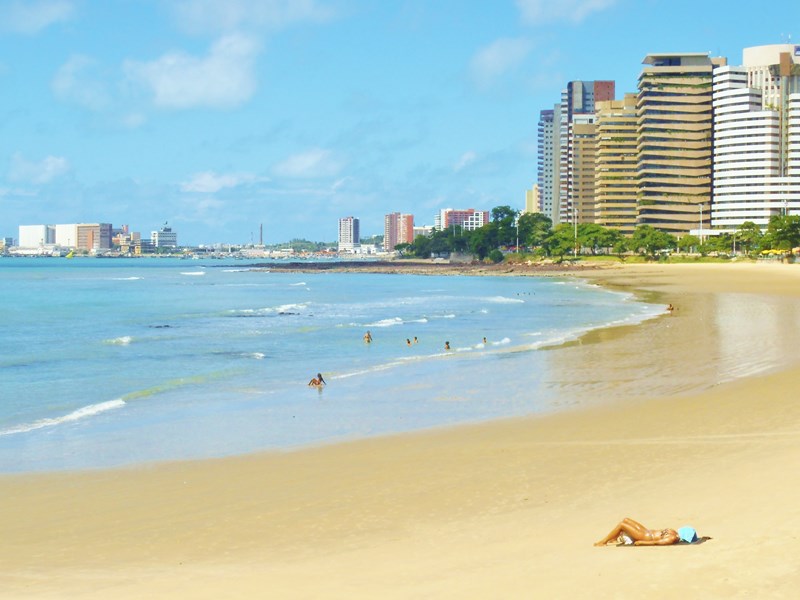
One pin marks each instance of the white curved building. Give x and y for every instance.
(757, 137)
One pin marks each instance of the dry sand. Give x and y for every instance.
(508, 509)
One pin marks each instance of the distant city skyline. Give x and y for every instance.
(221, 116)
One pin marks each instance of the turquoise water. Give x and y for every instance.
(108, 362)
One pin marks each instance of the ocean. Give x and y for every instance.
(112, 362)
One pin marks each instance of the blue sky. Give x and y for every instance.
(220, 115)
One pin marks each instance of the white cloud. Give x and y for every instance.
(498, 58)
(209, 182)
(213, 16)
(31, 17)
(466, 159)
(316, 162)
(544, 11)
(43, 171)
(72, 83)
(225, 78)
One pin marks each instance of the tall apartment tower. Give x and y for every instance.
(675, 141)
(349, 236)
(397, 229)
(615, 167)
(756, 168)
(577, 106)
(547, 167)
(581, 170)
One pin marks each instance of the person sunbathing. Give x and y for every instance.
(640, 535)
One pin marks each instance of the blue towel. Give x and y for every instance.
(687, 534)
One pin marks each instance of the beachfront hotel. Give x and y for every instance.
(349, 240)
(616, 186)
(757, 137)
(674, 112)
(572, 129)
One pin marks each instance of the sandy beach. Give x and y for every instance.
(507, 509)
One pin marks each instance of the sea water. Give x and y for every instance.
(108, 362)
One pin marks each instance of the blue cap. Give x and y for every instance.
(687, 534)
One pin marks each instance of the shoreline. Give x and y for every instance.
(508, 507)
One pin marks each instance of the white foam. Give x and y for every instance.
(505, 300)
(296, 284)
(387, 322)
(126, 278)
(120, 341)
(81, 413)
(193, 273)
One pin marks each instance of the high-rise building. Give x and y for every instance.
(579, 204)
(615, 167)
(547, 165)
(397, 229)
(164, 237)
(756, 175)
(468, 219)
(577, 106)
(349, 236)
(675, 141)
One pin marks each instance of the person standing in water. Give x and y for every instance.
(368, 337)
(317, 381)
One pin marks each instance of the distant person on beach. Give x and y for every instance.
(368, 337)
(670, 308)
(639, 535)
(447, 345)
(317, 381)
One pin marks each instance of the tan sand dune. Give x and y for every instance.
(508, 509)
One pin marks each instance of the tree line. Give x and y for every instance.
(508, 230)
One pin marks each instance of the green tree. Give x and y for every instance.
(483, 240)
(561, 241)
(504, 220)
(784, 231)
(649, 240)
(534, 229)
(749, 237)
(421, 247)
(687, 242)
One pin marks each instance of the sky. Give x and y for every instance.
(220, 116)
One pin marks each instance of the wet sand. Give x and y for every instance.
(504, 509)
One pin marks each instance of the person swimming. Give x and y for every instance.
(317, 381)
(447, 345)
(368, 337)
